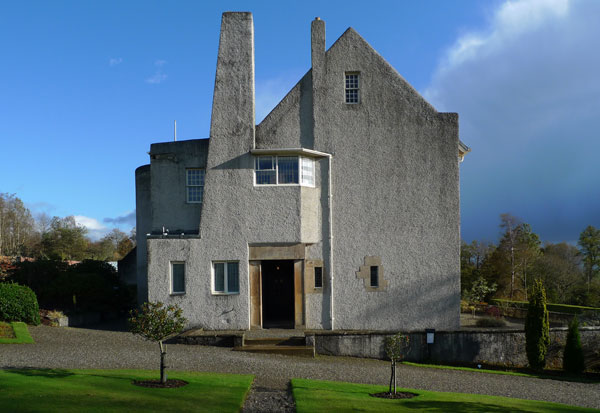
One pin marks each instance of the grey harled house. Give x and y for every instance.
(340, 210)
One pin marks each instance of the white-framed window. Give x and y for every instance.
(194, 185)
(284, 170)
(226, 277)
(177, 277)
(352, 89)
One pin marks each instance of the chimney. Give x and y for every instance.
(232, 122)
(319, 67)
(317, 51)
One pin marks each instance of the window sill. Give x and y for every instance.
(177, 294)
(222, 293)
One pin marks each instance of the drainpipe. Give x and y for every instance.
(330, 264)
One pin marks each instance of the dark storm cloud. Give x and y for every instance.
(528, 95)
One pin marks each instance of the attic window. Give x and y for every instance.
(352, 88)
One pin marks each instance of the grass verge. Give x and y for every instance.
(21, 334)
(324, 396)
(112, 390)
(546, 374)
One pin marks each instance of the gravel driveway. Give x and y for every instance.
(87, 348)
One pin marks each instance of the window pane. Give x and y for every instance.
(194, 193)
(178, 280)
(232, 277)
(264, 163)
(219, 277)
(195, 176)
(265, 178)
(318, 277)
(288, 169)
(308, 171)
(374, 276)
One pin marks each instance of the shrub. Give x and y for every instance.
(87, 286)
(573, 361)
(490, 322)
(156, 322)
(537, 327)
(493, 311)
(18, 303)
(395, 348)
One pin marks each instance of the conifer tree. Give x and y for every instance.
(537, 327)
(573, 361)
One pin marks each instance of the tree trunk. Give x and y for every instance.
(391, 377)
(163, 353)
(394, 369)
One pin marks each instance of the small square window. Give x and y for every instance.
(177, 278)
(318, 277)
(352, 88)
(194, 185)
(374, 276)
(226, 277)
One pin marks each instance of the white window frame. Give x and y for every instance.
(171, 275)
(188, 185)
(347, 89)
(302, 162)
(225, 278)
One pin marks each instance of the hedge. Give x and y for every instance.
(18, 303)
(555, 308)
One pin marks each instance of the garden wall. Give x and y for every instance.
(498, 347)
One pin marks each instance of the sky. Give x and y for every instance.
(86, 87)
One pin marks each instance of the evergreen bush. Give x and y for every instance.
(18, 303)
(573, 361)
(537, 327)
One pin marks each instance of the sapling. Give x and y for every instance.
(395, 348)
(156, 322)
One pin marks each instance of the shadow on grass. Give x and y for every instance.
(33, 372)
(470, 407)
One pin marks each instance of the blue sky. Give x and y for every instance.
(86, 87)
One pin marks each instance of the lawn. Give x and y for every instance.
(560, 375)
(14, 333)
(324, 396)
(36, 390)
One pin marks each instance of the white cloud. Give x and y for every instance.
(528, 93)
(158, 76)
(90, 223)
(114, 61)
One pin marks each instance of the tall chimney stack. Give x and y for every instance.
(233, 121)
(319, 69)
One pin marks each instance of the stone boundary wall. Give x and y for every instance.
(485, 346)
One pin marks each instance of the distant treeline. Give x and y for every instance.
(570, 274)
(56, 238)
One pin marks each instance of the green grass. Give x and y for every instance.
(21, 333)
(36, 390)
(558, 374)
(325, 396)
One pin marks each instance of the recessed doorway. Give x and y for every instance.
(277, 294)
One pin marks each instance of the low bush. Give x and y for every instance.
(493, 311)
(490, 322)
(18, 303)
(87, 286)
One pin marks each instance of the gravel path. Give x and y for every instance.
(87, 348)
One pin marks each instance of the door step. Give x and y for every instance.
(291, 346)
